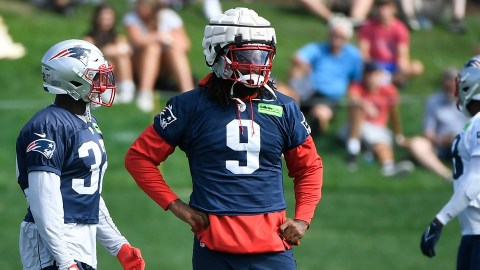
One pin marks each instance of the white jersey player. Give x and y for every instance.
(465, 201)
(61, 160)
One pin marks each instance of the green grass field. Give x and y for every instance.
(364, 221)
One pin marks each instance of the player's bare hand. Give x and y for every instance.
(196, 219)
(293, 230)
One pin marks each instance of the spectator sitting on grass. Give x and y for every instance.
(160, 43)
(115, 48)
(384, 39)
(372, 105)
(358, 10)
(322, 71)
(442, 122)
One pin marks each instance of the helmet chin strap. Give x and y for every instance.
(250, 77)
(270, 90)
(258, 78)
(241, 105)
(88, 113)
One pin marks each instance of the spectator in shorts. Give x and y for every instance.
(372, 105)
(442, 122)
(210, 8)
(417, 16)
(412, 17)
(322, 71)
(115, 48)
(159, 40)
(357, 10)
(385, 39)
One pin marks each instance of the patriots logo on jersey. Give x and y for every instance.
(42, 146)
(82, 54)
(166, 116)
(306, 125)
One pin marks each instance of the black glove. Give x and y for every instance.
(430, 238)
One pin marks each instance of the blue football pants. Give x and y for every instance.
(468, 257)
(81, 266)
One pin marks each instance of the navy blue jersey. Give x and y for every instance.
(235, 157)
(56, 140)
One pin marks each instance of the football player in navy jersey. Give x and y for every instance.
(61, 160)
(465, 201)
(235, 128)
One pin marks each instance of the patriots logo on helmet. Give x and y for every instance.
(82, 54)
(166, 116)
(474, 62)
(42, 146)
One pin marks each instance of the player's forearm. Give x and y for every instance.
(46, 205)
(307, 195)
(305, 166)
(467, 191)
(149, 179)
(457, 203)
(107, 232)
(141, 161)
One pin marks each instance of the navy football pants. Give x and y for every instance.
(206, 259)
(469, 253)
(81, 266)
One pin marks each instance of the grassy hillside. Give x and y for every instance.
(364, 221)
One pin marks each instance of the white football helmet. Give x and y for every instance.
(468, 84)
(78, 68)
(239, 45)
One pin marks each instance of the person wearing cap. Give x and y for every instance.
(442, 122)
(372, 105)
(385, 40)
(321, 73)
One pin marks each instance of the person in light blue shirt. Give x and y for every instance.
(322, 71)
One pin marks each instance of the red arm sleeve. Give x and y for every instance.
(305, 167)
(142, 161)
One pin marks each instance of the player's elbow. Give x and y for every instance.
(131, 160)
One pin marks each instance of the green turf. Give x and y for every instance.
(364, 221)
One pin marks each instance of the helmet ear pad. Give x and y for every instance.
(219, 69)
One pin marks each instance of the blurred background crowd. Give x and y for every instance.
(361, 67)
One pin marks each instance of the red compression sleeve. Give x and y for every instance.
(305, 167)
(142, 161)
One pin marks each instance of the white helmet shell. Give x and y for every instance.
(468, 84)
(238, 25)
(70, 67)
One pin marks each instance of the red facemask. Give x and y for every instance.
(103, 85)
(250, 64)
